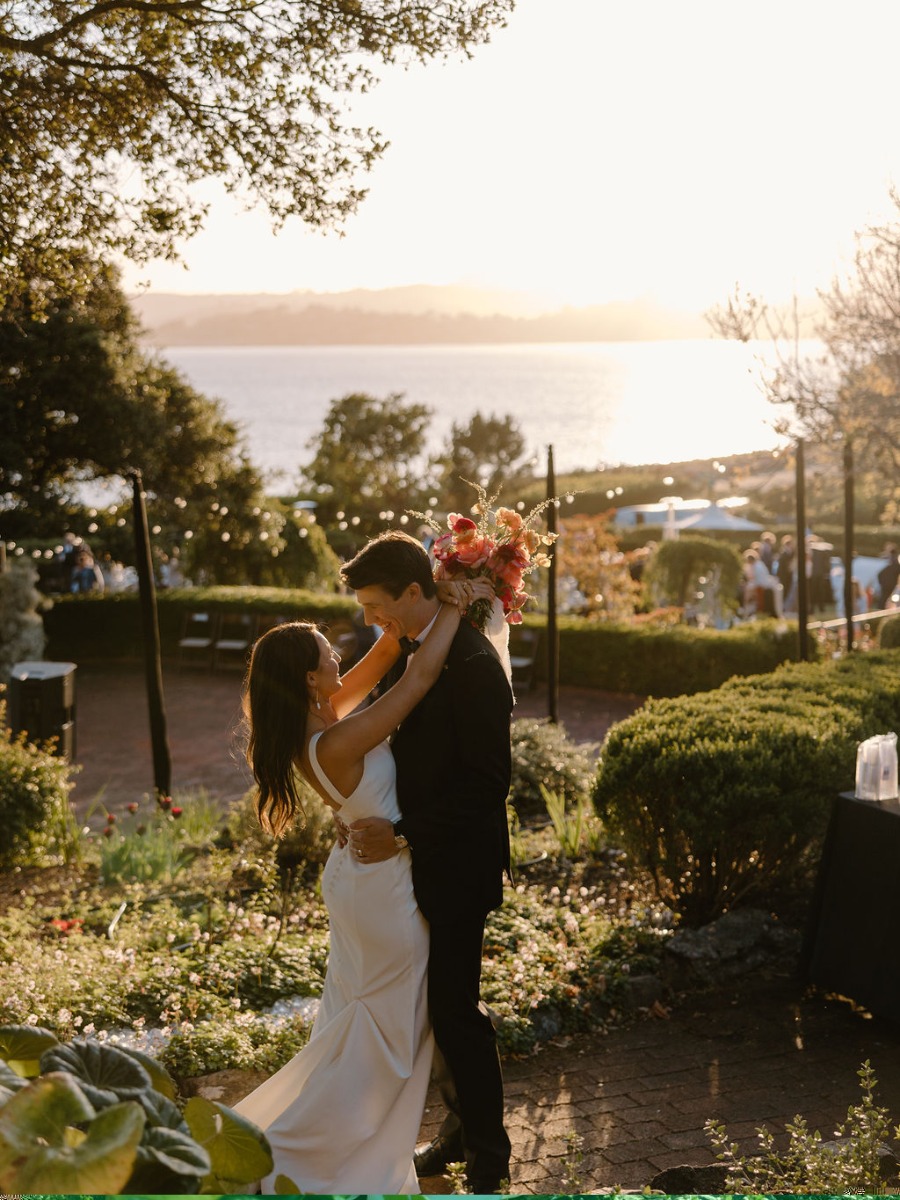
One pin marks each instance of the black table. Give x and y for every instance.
(852, 945)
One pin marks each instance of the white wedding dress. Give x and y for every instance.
(344, 1114)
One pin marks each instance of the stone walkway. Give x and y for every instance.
(758, 1051)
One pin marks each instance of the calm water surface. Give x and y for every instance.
(628, 402)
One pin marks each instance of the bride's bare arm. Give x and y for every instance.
(354, 736)
(358, 681)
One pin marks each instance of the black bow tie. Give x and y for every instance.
(408, 645)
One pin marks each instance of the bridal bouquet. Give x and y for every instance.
(500, 546)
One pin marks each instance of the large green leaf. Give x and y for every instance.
(238, 1149)
(162, 1113)
(35, 1151)
(168, 1161)
(107, 1075)
(10, 1083)
(285, 1186)
(21, 1046)
(159, 1076)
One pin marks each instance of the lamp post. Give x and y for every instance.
(848, 540)
(552, 632)
(162, 763)
(802, 589)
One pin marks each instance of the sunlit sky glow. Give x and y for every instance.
(602, 150)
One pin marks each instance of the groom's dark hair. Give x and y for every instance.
(391, 561)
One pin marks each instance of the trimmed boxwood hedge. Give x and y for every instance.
(672, 660)
(643, 660)
(721, 796)
(108, 627)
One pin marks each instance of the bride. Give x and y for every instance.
(343, 1115)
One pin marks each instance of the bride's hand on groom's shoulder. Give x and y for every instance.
(464, 592)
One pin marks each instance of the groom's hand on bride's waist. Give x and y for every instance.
(372, 839)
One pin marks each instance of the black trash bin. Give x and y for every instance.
(41, 701)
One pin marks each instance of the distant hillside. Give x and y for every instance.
(398, 316)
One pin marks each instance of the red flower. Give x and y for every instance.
(133, 806)
(165, 802)
(176, 812)
(66, 927)
(461, 524)
(108, 831)
(110, 818)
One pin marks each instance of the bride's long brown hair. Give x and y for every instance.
(276, 706)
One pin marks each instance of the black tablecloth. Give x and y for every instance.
(853, 941)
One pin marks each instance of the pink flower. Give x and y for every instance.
(473, 552)
(512, 520)
(176, 812)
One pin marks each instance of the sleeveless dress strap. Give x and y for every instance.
(320, 774)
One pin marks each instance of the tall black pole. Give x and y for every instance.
(552, 631)
(848, 541)
(802, 584)
(162, 763)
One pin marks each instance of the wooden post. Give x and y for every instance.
(802, 584)
(162, 763)
(552, 631)
(848, 540)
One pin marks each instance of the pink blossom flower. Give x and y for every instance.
(511, 519)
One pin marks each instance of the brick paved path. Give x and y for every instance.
(760, 1052)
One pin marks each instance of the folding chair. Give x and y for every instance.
(198, 632)
(233, 639)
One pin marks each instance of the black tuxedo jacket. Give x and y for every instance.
(453, 769)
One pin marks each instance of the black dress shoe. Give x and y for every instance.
(484, 1187)
(431, 1158)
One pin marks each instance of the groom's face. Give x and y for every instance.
(395, 616)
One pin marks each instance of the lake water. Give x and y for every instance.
(596, 403)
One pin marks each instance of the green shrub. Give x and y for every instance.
(667, 660)
(889, 633)
(35, 814)
(855, 1165)
(242, 1045)
(721, 795)
(108, 627)
(543, 755)
(677, 565)
(305, 847)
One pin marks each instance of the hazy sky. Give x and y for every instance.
(604, 150)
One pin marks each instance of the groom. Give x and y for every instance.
(452, 755)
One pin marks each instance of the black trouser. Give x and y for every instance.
(467, 1066)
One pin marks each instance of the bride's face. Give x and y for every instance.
(327, 676)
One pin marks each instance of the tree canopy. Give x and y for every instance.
(488, 450)
(850, 392)
(111, 109)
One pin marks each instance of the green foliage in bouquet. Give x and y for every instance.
(92, 1118)
(723, 794)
